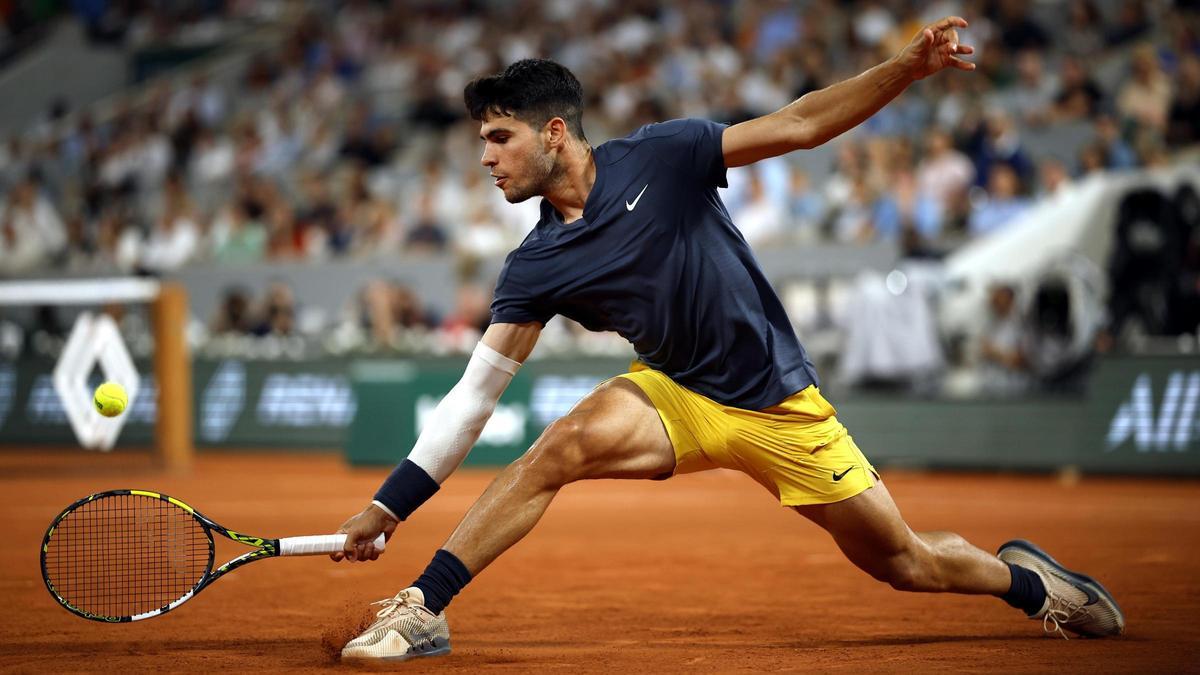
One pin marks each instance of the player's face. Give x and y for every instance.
(517, 157)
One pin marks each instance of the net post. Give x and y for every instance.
(173, 372)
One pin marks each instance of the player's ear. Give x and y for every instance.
(556, 132)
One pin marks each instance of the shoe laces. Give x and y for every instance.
(1061, 612)
(390, 605)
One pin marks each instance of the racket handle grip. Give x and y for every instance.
(319, 544)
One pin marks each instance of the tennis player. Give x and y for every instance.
(633, 238)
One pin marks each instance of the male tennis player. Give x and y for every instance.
(633, 238)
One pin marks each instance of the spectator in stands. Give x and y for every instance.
(916, 210)
(82, 244)
(201, 99)
(461, 328)
(1093, 158)
(1084, 32)
(760, 218)
(1152, 151)
(1002, 363)
(378, 229)
(1183, 120)
(944, 173)
(14, 163)
(953, 99)
(239, 236)
(388, 309)
(483, 236)
(849, 167)
(248, 149)
(316, 217)
(1132, 23)
(31, 231)
(866, 214)
(320, 149)
(428, 234)
(1117, 153)
(370, 146)
(998, 141)
(778, 26)
(175, 236)
(212, 159)
(1018, 30)
(152, 154)
(234, 314)
(1002, 204)
(805, 207)
(283, 140)
(1031, 97)
(1145, 98)
(1052, 177)
(1078, 96)
(282, 243)
(278, 314)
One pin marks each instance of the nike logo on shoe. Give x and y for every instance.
(1092, 596)
(838, 476)
(629, 206)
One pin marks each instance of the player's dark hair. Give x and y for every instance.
(534, 91)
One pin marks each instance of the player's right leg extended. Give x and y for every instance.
(614, 432)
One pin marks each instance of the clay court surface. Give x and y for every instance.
(702, 573)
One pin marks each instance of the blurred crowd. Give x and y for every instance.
(20, 28)
(130, 24)
(350, 141)
(383, 314)
(145, 23)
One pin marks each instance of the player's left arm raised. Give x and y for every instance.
(825, 114)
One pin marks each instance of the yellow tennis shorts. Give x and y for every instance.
(798, 450)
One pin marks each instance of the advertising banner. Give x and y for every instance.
(1139, 415)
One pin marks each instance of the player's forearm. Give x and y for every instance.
(448, 434)
(827, 113)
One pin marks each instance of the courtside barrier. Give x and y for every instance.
(1139, 414)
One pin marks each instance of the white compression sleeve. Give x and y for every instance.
(459, 418)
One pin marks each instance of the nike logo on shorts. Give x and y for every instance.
(629, 206)
(838, 476)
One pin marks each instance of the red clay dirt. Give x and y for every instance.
(699, 573)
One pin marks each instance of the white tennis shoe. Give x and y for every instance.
(403, 630)
(1074, 601)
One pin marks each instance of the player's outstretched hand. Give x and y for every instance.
(935, 47)
(361, 531)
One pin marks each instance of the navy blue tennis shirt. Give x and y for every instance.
(657, 259)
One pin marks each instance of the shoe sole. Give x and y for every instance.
(440, 651)
(1071, 576)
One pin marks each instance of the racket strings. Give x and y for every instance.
(123, 555)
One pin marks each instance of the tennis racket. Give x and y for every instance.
(128, 555)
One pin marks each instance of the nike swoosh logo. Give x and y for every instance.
(629, 206)
(1092, 596)
(838, 476)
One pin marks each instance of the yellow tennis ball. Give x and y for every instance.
(110, 399)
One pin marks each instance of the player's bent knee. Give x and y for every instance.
(905, 571)
(914, 571)
(905, 575)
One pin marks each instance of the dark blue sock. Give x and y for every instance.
(1027, 592)
(442, 580)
